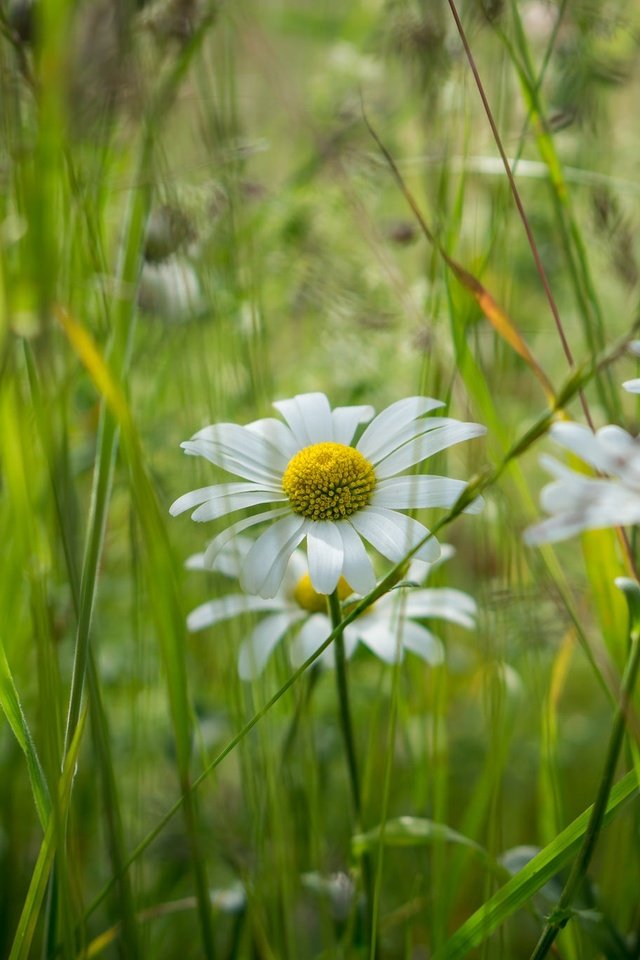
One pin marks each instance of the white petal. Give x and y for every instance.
(600, 503)
(579, 439)
(632, 386)
(397, 437)
(309, 416)
(346, 420)
(296, 568)
(391, 420)
(225, 537)
(405, 493)
(616, 440)
(380, 636)
(351, 640)
(556, 468)
(444, 603)
(229, 560)
(394, 534)
(357, 567)
(276, 433)
(325, 554)
(312, 635)
(567, 494)
(255, 651)
(230, 503)
(623, 451)
(266, 562)
(427, 445)
(422, 642)
(584, 503)
(238, 450)
(615, 508)
(227, 607)
(554, 529)
(634, 347)
(208, 450)
(196, 497)
(419, 570)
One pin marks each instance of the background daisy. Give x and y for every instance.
(578, 502)
(388, 629)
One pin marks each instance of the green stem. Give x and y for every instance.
(335, 611)
(312, 676)
(561, 915)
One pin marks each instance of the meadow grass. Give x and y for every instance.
(205, 208)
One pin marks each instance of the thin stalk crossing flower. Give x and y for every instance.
(390, 628)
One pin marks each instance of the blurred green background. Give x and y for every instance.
(194, 222)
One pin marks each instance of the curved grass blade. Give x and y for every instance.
(21, 948)
(12, 708)
(518, 891)
(114, 834)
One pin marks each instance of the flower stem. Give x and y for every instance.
(335, 611)
(562, 913)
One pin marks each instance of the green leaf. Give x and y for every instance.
(415, 832)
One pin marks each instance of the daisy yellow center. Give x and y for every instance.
(328, 481)
(309, 599)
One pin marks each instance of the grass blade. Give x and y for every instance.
(517, 892)
(12, 708)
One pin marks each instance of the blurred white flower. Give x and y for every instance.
(387, 629)
(338, 888)
(169, 289)
(578, 502)
(321, 487)
(391, 627)
(538, 20)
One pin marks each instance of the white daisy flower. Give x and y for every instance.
(170, 289)
(321, 487)
(387, 628)
(579, 502)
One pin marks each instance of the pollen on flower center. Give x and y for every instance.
(328, 481)
(309, 599)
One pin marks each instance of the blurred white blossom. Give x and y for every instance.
(579, 502)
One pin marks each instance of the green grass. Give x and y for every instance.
(152, 804)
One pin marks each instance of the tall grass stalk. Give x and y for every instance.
(561, 914)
